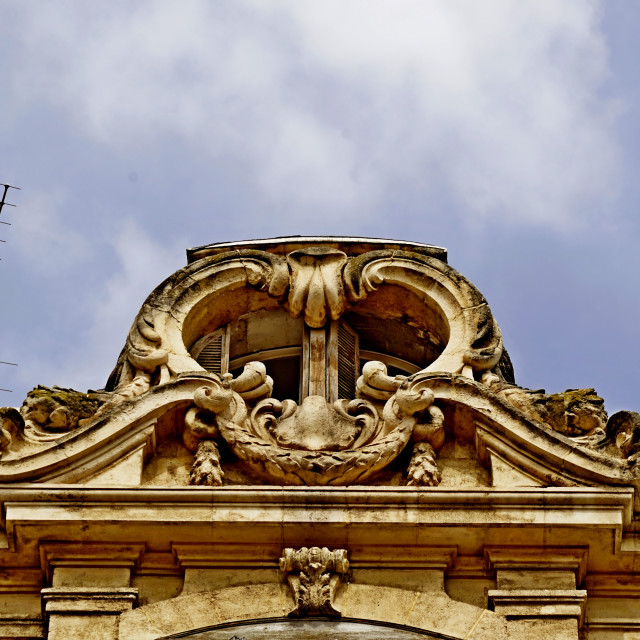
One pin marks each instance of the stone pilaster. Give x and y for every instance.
(90, 589)
(90, 613)
(536, 591)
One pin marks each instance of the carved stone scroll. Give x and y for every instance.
(314, 575)
(154, 352)
(475, 341)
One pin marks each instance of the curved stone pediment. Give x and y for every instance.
(232, 427)
(460, 409)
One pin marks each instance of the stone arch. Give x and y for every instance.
(427, 611)
(171, 318)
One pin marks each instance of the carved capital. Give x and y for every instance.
(314, 575)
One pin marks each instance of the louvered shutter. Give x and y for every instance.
(213, 355)
(342, 360)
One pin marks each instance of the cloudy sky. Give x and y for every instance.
(504, 130)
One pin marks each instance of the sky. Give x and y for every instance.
(506, 131)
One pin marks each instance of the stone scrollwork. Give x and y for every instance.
(316, 442)
(153, 354)
(478, 344)
(412, 395)
(314, 575)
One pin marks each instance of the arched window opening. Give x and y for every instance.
(392, 325)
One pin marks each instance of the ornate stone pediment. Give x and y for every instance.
(335, 363)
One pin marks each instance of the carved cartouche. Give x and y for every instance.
(316, 425)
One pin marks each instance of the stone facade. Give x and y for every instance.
(318, 438)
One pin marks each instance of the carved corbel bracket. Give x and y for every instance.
(314, 575)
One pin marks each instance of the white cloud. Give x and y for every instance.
(326, 102)
(107, 310)
(142, 264)
(44, 238)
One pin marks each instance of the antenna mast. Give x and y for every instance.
(4, 203)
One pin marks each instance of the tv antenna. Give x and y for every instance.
(4, 203)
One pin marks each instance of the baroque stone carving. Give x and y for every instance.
(428, 434)
(47, 414)
(482, 347)
(315, 443)
(316, 285)
(150, 357)
(574, 412)
(314, 575)
(623, 435)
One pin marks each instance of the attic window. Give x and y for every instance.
(304, 361)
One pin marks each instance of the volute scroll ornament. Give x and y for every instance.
(154, 352)
(475, 343)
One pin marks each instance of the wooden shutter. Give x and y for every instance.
(343, 361)
(212, 352)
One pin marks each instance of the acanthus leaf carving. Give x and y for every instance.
(314, 575)
(317, 289)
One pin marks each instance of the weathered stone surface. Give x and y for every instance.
(282, 406)
(314, 575)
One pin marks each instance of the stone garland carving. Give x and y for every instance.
(206, 468)
(423, 470)
(314, 575)
(315, 443)
(428, 434)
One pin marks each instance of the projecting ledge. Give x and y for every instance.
(585, 507)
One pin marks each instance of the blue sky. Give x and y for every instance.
(504, 130)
